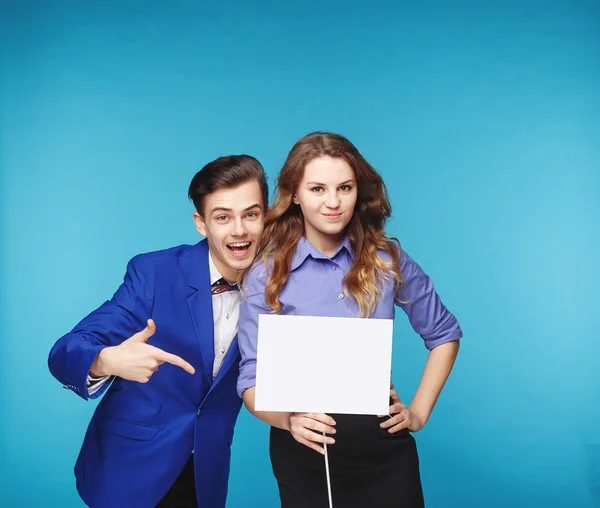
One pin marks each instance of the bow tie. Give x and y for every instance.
(221, 286)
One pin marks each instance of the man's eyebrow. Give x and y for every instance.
(220, 209)
(223, 209)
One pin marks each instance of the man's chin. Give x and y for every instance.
(241, 262)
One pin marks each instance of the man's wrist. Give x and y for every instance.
(101, 366)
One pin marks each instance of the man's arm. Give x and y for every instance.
(108, 342)
(135, 359)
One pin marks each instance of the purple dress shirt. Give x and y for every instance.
(314, 288)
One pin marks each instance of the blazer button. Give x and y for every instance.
(200, 411)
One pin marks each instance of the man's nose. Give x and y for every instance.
(239, 228)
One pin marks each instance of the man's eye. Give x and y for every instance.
(222, 218)
(253, 215)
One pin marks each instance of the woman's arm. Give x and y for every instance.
(276, 419)
(441, 333)
(306, 428)
(437, 369)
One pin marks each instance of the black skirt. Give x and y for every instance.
(369, 467)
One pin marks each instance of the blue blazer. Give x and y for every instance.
(142, 434)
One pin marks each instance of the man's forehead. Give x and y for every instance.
(239, 198)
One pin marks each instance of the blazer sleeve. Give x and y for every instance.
(113, 322)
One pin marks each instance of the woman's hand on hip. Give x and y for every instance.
(402, 417)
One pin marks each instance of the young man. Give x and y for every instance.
(164, 349)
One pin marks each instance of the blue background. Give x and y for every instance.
(483, 118)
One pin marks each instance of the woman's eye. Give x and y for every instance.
(317, 189)
(346, 188)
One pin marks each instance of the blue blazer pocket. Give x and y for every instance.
(125, 428)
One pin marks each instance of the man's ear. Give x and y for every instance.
(200, 224)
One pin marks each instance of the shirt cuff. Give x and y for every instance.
(95, 383)
(452, 335)
(247, 379)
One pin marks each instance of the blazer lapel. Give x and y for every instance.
(200, 305)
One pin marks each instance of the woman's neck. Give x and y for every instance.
(326, 244)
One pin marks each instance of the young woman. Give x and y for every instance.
(325, 253)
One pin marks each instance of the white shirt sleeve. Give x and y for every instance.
(95, 383)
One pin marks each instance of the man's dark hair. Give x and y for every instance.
(227, 172)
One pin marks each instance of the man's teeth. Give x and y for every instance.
(240, 245)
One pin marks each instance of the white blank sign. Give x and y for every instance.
(323, 364)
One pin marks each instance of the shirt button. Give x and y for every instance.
(223, 351)
(333, 268)
(226, 316)
(340, 296)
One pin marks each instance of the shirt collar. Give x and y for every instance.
(215, 275)
(305, 249)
